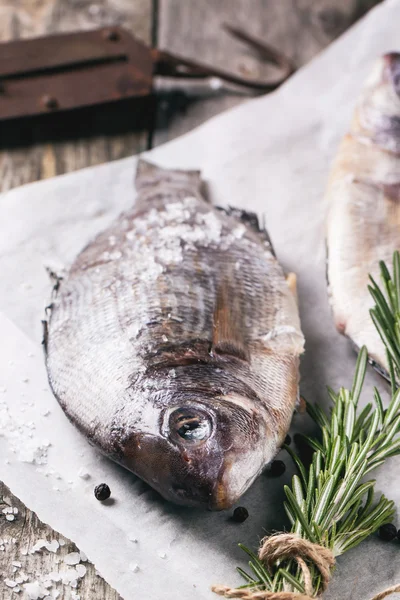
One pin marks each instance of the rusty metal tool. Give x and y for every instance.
(73, 70)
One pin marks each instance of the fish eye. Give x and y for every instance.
(190, 425)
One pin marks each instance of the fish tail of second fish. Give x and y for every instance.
(151, 181)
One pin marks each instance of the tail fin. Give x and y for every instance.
(149, 176)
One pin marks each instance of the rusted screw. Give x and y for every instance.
(49, 102)
(111, 35)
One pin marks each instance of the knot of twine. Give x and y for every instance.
(286, 546)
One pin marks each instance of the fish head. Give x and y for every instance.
(378, 113)
(206, 454)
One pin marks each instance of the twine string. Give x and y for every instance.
(386, 593)
(289, 546)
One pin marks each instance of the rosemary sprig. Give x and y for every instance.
(386, 312)
(329, 501)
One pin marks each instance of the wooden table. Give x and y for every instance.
(192, 28)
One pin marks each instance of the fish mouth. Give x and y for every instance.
(392, 63)
(225, 494)
(217, 495)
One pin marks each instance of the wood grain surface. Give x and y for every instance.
(18, 560)
(300, 28)
(30, 18)
(192, 28)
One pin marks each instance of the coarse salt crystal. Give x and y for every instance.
(34, 590)
(69, 577)
(61, 542)
(132, 538)
(81, 570)
(162, 554)
(73, 558)
(134, 567)
(10, 517)
(25, 380)
(10, 583)
(83, 557)
(16, 563)
(39, 545)
(45, 413)
(53, 546)
(15, 510)
(83, 474)
(239, 231)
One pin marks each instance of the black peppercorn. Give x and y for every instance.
(240, 514)
(387, 532)
(288, 440)
(276, 469)
(102, 492)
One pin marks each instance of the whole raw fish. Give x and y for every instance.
(364, 205)
(173, 343)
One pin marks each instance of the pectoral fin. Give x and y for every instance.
(291, 280)
(228, 327)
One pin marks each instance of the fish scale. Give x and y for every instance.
(364, 205)
(173, 343)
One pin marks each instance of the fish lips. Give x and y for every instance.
(392, 64)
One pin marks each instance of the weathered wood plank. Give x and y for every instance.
(25, 18)
(19, 536)
(300, 28)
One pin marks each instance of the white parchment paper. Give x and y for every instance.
(271, 155)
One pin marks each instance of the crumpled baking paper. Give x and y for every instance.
(271, 155)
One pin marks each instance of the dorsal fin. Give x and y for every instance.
(252, 222)
(150, 175)
(228, 327)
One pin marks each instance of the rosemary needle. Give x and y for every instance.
(330, 502)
